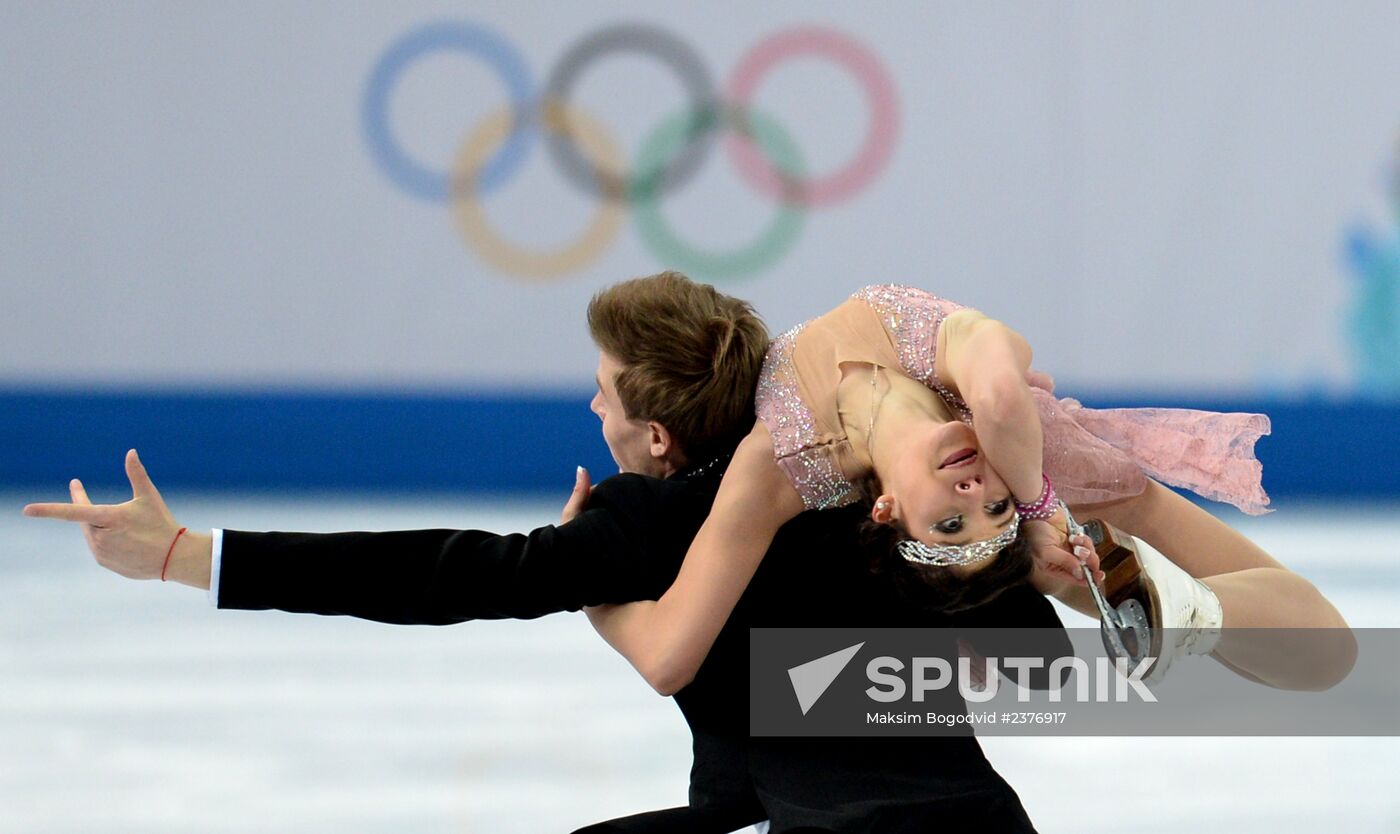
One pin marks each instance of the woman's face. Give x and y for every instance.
(943, 490)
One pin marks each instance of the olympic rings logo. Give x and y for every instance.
(763, 152)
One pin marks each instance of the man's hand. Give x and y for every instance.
(578, 499)
(132, 539)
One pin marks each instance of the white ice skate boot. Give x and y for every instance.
(1150, 607)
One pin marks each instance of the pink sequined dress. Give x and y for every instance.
(1091, 454)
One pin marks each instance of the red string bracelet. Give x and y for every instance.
(170, 551)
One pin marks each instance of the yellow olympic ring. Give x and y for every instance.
(471, 215)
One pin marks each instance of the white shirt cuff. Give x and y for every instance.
(218, 536)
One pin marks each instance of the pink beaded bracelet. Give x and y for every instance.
(1044, 507)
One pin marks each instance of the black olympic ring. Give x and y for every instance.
(694, 77)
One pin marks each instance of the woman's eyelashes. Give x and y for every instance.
(949, 525)
(955, 524)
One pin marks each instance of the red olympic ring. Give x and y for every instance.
(879, 139)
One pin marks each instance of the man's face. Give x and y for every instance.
(630, 441)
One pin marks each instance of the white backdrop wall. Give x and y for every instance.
(1158, 196)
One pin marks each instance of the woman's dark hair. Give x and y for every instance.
(932, 587)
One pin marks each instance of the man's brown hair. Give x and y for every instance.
(690, 358)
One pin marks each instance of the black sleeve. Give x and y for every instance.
(683, 820)
(438, 577)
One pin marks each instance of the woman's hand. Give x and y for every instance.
(1059, 560)
(578, 499)
(1041, 380)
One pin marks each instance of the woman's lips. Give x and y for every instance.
(958, 459)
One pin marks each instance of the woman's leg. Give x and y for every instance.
(1254, 589)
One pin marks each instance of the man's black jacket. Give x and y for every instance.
(628, 545)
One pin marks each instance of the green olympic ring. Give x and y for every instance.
(676, 133)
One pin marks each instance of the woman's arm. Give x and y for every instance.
(986, 362)
(667, 640)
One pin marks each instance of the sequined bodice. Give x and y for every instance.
(911, 318)
(888, 325)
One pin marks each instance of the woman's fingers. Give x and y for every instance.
(1065, 561)
(1040, 379)
(578, 499)
(80, 496)
(1085, 551)
(1058, 560)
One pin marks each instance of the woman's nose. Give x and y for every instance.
(970, 484)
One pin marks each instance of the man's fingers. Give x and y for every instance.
(85, 513)
(81, 510)
(141, 485)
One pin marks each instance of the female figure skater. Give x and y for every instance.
(927, 403)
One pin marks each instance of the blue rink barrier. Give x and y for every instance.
(379, 442)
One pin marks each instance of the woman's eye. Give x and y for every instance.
(952, 525)
(999, 507)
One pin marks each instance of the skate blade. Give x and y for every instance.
(1128, 592)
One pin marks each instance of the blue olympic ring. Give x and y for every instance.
(422, 181)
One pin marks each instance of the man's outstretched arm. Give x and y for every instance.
(410, 577)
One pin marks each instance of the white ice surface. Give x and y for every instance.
(136, 707)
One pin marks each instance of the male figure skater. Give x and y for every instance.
(677, 370)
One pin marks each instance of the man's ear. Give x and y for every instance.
(883, 511)
(662, 442)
